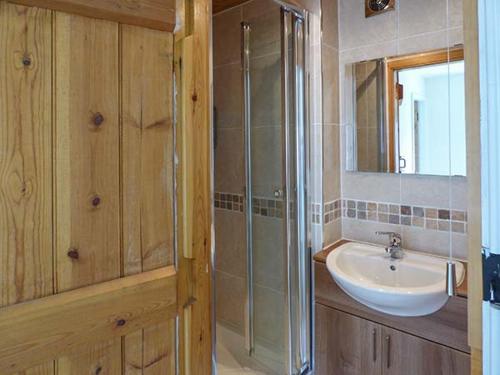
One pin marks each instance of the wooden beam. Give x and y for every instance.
(194, 185)
(50, 327)
(473, 117)
(152, 14)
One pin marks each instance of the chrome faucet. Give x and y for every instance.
(394, 248)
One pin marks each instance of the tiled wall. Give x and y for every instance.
(416, 25)
(332, 223)
(230, 226)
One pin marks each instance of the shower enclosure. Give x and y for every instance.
(277, 290)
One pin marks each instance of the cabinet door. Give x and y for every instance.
(404, 354)
(345, 344)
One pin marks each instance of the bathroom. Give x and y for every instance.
(378, 174)
(266, 187)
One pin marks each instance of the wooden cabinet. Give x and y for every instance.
(406, 354)
(345, 344)
(349, 345)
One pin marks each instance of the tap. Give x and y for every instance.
(394, 248)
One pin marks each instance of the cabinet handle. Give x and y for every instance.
(388, 345)
(374, 335)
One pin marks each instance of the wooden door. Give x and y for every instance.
(406, 354)
(345, 344)
(87, 188)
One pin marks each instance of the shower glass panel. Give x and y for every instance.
(278, 262)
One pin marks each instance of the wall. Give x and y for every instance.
(429, 212)
(332, 223)
(86, 187)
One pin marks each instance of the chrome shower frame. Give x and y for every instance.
(296, 150)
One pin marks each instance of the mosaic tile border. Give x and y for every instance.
(260, 206)
(332, 211)
(430, 218)
(267, 207)
(316, 213)
(229, 201)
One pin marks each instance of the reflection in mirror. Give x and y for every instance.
(409, 114)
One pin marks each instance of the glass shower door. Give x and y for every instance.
(278, 298)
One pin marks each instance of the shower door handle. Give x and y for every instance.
(279, 193)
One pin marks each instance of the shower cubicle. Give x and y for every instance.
(274, 299)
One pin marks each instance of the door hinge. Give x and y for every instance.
(491, 277)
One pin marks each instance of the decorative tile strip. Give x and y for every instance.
(316, 213)
(228, 201)
(431, 218)
(332, 211)
(267, 207)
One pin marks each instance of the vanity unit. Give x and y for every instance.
(354, 339)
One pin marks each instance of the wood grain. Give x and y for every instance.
(473, 117)
(346, 344)
(52, 326)
(476, 362)
(25, 158)
(87, 166)
(407, 354)
(194, 287)
(448, 326)
(153, 14)
(148, 172)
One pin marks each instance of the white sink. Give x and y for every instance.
(412, 286)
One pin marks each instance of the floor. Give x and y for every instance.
(232, 358)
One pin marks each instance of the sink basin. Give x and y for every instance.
(412, 286)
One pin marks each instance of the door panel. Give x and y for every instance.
(87, 168)
(345, 344)
(25, 157)
(147, 165)
(406, 354)
(86, 178)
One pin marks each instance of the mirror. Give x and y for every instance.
(408, 114)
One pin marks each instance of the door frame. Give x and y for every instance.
(472, 109)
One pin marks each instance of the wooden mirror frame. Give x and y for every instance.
(392, 66)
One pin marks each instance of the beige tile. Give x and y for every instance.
(428, 241)
(356, 30)
(330, 23)
(227, 96)
(269, 313)
(316, 99)
(331, 163)
(422, 16)
(230, 242)
(332, 232)
(265, 73)
(331, 88)
(361, 230)
(229, 161)
(266, 160)
(423, 42)
(430, 191)
(455, 16)
(230, 300)
(378, 187)
(265, 24)
(227, 37)
(268, 249)
(369, 52)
